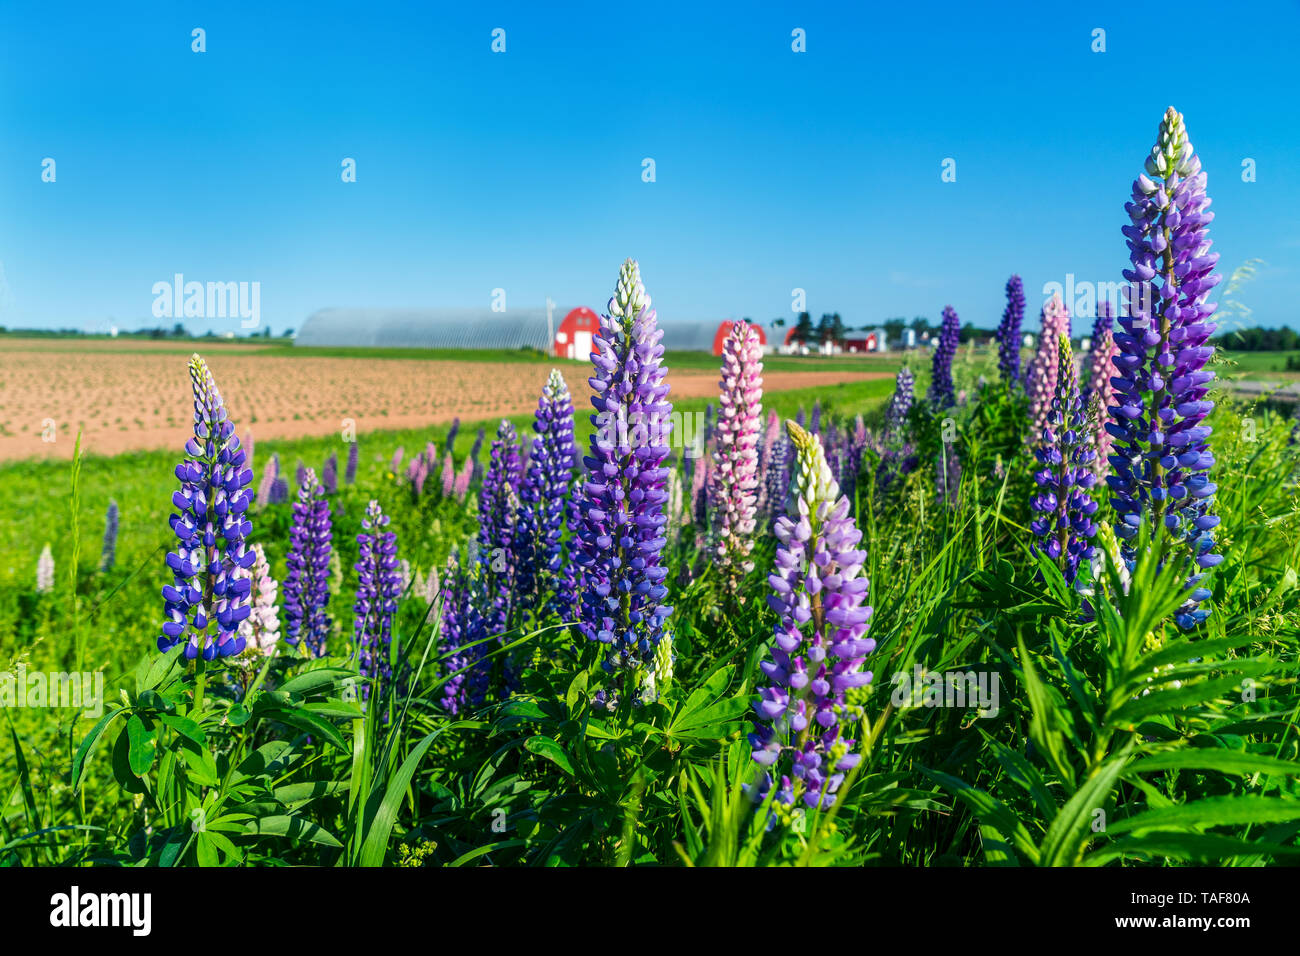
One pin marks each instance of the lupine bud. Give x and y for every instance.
(206, 601)
(819, 644)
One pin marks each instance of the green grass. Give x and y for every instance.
(1186, 744)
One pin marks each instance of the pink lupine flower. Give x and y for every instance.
(261, 629)
(735, 477)
(1044, 368)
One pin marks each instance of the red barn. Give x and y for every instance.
(573, 337)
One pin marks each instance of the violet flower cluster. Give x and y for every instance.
(820, 642)
(108, 557)
(379, 586)
(206, 601)
(735, 476)
(900, 406)
(498, 510)
(1008, 334)
(543, 500)
(1063, 506)
(622, 532)
(460, 633)
(306, 587)
(941, 392)
(354, 456)
(1161, 460)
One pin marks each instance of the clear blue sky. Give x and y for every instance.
(522, 170)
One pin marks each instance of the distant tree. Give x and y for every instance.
(288, 334)
(178, 330)
(803, 329)
(778, 323)
(894, 328)
(920, 324)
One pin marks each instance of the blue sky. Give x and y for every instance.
(775, 170)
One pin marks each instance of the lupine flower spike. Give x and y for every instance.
(941, 388)
(1045, 367)
(111, 520)
(622, 531)
(819, 644)
(1100, 394)
(1063, 507)
(1161, 461)
(735, 477)
(543, 496)
(261, 629)
(207, 601)
(379, 586)
(1008, 334)
(306, 588)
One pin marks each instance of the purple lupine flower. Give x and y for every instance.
(543, 499)
(1045, 367)
(300, 473)
(1161, 461)
(1008, 334)
(379, 587)
(819, 643)
(1062, 504)
(622, 533)
(460, 633)
(771, 436)
(306, 587)
(498, 510)
(475, 450)
(777, 479)
(941, 391)
(329, 475)
(248, 450)
(452, 432)
(354, 456)
(900, 406)
(1099, 393)
(947, 474)
(267, 484)
(111, 521)
(279, 490)
(261, 629)
(815, 420)
(448, 475)
(206, 601)
(701, 479)
(735, 476)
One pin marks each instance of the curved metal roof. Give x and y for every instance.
(429, 328)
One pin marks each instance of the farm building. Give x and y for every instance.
(483, 329)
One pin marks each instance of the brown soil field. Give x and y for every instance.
(130, 400)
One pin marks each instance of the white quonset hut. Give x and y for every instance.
(567, 337)
(429, 328)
